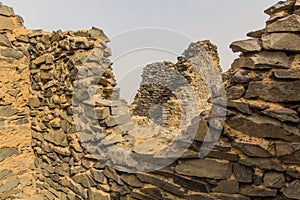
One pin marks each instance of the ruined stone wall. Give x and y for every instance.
(58, 93)
(263, 98)
(16, 154)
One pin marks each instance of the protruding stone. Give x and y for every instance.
(256, 34)
(9, 185)
(280, 6)
(290, 23)
(245, 46)
(6, 11)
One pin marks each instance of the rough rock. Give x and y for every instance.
(9, 185)
(250, 45)
(11, 53)
(259, 126)
(242, 173)
(281, 42)
(287, 74)
(192, 183)
(274, 180)
(290, 23)
(4, 41)
(7, 152)
(253, 150)
(292, 191)
(257, 191)
(283, 114)
(280, 6)
(262, 163)
(274, 91)
(7, 111)
(227, 186)
(235, 92)
(162, 183)
(6, 11)
(6, 23)
(265, 60)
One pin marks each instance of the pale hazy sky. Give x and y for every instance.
(172, 25)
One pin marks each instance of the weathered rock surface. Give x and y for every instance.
(275, 91)
(250, 45)
(74, 145)
(205, 168)
(282, 42)
(290, 23)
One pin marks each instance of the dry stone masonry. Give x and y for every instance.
(65, 133)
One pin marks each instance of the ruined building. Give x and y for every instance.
(191, 133)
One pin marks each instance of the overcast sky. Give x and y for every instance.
(171, 26)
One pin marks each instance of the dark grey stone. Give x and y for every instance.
(7, 152)
(11, 53)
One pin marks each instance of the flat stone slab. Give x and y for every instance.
(290, 23)
(287, 74)
(282, 42)
(250, 45)
(274, 91)
(205, 168)
(264, 127)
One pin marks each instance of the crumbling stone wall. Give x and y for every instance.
(263, 97)
(89, 144)
(16, 154)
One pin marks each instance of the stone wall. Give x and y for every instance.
(58, 92)
(16, 154)
(263, 96)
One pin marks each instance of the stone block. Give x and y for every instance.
(245, 46)
(205, 168)
(282, 42)
(274, 91)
